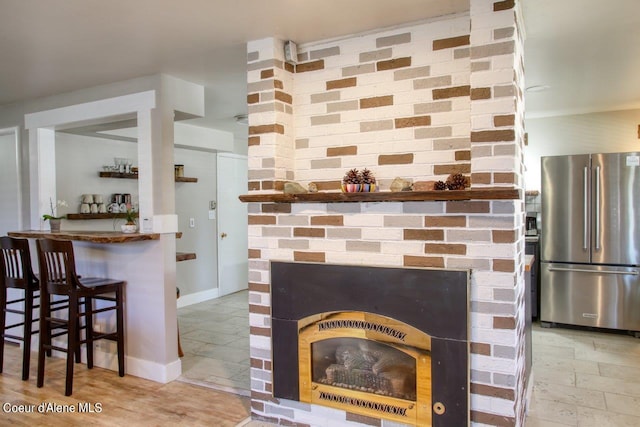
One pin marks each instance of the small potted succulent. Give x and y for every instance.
(130, 226)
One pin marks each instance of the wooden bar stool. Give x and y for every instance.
(15, 263)
(58, 277)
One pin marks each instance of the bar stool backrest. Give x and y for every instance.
(15, 261)
(57, 266)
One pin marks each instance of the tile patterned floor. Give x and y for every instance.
(584, 379)
(215, 340)
(581, 378)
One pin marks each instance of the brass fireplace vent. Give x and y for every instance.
(366, 364)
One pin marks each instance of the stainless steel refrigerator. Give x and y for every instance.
(590, 240)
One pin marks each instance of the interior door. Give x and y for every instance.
(616, 208)
(566, 215)
(232, 223)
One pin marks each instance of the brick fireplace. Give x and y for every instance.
(419, 102)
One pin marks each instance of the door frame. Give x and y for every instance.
(15, 131)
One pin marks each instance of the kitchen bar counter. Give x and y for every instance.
(86, 236)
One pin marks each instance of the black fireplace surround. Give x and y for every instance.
(431, 300)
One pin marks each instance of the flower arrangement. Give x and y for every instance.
(54, 210)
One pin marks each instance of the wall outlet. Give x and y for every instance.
(192, 222)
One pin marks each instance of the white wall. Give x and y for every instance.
(9, 179)
(604, 132)
(192, 201)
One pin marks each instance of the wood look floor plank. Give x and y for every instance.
(128, 401)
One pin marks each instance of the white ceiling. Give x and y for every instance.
(587, 51)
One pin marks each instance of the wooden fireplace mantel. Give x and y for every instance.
(488, 193)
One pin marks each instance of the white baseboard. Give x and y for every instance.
(197, 297)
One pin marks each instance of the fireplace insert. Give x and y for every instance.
(389, 343)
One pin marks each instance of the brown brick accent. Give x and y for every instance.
(267, 365)
(284, 97)
(406, 122)
(505, 178)
(256, 363)
(493, 135)
(262, 219)
(259, 309)
(481, 93)
(308, 256)
(506, 120)
(506, 265)
(342, 83)
(481, 348)
(278, 84)
(259, 287)
(393, 63)
(254, 140)
(308, 232)
(258, 406)
(419, 234)
(255, 253)
(503, 5)
(503, 236)
(276, 208)
(363, 419)
(444, 248)
(445, 221)
(266, 74)
(451, 92)
(276, 127)
(273, 185)
(423, 261)
(481, 178)
(449, 169)
(468, 207)
(253, 98)
(265, 332)
(488, 390)
(395, 159)
(327, 220)
(504, 323)
(289, 67)
(451, 42)
(463, 155)
(268, 387)
(378, 101)
(493, 419)
(328, 185)
(310, 66)
(351, 150)
(253, 185)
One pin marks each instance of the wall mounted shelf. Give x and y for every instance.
(77, 216)
(490, 193)
(122, 175)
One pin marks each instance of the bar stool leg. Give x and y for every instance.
(180, 352)
(72, 343)
(3, 305)
(120, 328)
(28, 327)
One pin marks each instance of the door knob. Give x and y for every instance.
(223, 235)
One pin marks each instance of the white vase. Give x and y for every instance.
(128, 228)
(54, 225)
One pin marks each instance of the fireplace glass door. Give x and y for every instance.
(366, 364)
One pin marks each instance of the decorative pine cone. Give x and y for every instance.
(367, 177)
(439, 185)
(352, 177)
(456, 181)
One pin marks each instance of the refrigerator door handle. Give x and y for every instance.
(597, 203)
(584, 270)
(585, 223)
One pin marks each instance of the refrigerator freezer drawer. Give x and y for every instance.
(587, 295)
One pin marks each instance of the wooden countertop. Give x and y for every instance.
(87, 236)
